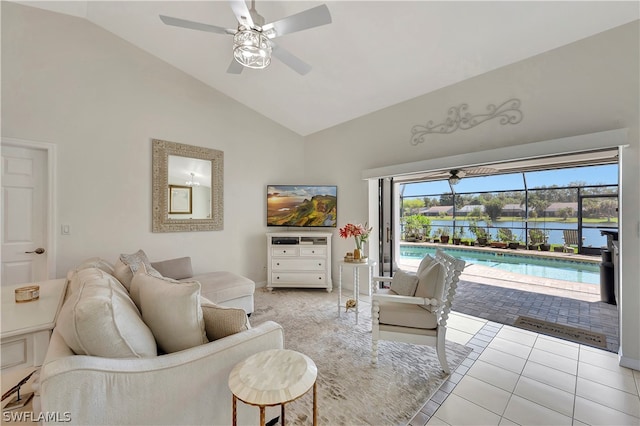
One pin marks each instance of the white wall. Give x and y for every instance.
(585, 87)
(101, 100)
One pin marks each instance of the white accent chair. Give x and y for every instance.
(419, 318)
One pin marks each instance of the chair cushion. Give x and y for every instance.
(221, 321)
(171, 309)
(404, 283)
(406, 315)
(425, 263)
(178, 269)
(127, 265)
(431, 281)
(99, 319)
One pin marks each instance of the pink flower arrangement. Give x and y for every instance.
(359, 232)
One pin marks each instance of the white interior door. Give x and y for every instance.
(24, 210)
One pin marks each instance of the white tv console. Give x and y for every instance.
(299, 259)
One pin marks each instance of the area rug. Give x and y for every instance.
(562, 331)
(351, 390)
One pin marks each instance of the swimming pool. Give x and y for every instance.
(559, 269)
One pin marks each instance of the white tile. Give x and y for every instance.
(458, 336)
(604, 359)
(557, 340)
(558, 348)
(596, 414)
(458, 411)
(466, 323)
(525, 412)
(507, 422)
(606, 377)
(494, 375)
(610, 397)
(577, 423)
(510, 347)
(483, 394)
(504, 360)
(555, 378)
(436, 421)
(518, 335)
(554, 361)
(545, 395)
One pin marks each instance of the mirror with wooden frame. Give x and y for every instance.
(187, 188)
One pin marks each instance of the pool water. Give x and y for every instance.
(581, 272)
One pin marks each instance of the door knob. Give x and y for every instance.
(39, 250)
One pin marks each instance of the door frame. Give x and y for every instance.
(50, 202)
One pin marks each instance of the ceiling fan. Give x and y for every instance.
(253, 42)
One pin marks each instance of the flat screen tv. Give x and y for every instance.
(302, 205)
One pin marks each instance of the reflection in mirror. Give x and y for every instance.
(186, 172)
(187, 187)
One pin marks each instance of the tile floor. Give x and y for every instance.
(517, 377)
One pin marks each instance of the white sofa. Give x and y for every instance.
(187, 386)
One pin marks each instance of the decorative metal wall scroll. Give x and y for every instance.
(459, 118)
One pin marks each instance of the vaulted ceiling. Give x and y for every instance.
(373, 55)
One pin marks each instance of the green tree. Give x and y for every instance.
(493, 208)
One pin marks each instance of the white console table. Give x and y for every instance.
(356, 266)
(26, 327)
(299, 259)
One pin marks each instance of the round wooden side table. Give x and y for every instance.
(273, 377)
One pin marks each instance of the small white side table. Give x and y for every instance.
(26, 327)
(356, 266)
(273, 377)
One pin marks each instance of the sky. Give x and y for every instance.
(591, 175)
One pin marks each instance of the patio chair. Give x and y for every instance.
(416, 307)
(570, 237)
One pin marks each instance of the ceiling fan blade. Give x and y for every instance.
(310, 18)
(241, 11)
(235, 67)
(290, 60)
(183, 23)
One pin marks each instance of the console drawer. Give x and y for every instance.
(284, 251)
(298, 264)
(313, 251)
(299, 278)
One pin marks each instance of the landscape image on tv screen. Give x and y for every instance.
(302, 205)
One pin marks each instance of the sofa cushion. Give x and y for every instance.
(127, 265)
(94, 262)
(431, 281)
(222, 286)
(404, 283)
(221, 321)
(99, 319)
(178, 269)
(171, 309)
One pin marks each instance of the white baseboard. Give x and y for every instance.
(261, 284)
(632, 363)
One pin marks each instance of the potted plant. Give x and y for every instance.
(457, 235)
(444, 235)
(481, 234)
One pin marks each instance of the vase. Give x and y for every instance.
(357, 253)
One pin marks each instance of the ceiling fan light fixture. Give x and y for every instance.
(454, 179)
(252, 49)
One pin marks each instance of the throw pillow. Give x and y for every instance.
(431, 282)
(99, 319)
(222, 321)
(424, 264)
(404, 283)
(127, 265)
(171, 309)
